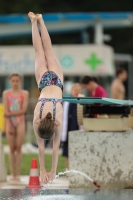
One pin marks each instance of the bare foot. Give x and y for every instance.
(12, 178)
(32, 16)
(17, 178)
(39, 16)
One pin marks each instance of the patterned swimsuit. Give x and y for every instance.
(49, 78)
(15, 103)
(43, 100)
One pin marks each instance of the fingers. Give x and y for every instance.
(51, 178)
(51, 181)
(44, 178)
(47, 177)
(48, 174)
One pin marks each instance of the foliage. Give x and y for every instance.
(26, 163)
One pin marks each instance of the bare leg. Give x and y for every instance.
(40, 61)
(53, 63)
(10, 134)
(19, 141)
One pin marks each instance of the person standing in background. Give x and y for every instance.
(117, 87)
(15, 102)
(90, 84)
(70, 120)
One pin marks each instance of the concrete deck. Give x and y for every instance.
(107, 157)
(60, 183)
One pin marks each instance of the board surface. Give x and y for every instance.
(104, 101)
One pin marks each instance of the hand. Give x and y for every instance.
(10, 127)
(52, 176)
(7, 114)
(44, 176)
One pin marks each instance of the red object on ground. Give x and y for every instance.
(96, 184)
(34, 181)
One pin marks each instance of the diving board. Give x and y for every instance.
(103, 114)
(103, 101)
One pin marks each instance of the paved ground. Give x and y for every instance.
(61, 183)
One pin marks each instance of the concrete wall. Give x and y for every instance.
(2, 163)
(106, 157)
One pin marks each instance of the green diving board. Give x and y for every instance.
(104, 101)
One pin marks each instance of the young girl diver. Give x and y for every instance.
(47, 121)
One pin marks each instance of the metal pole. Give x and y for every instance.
(84, 37)
(98, 33)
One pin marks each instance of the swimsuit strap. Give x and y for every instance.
(54, 108)
(9, 93)
(43, 100)
(21, 93)
(41, 108)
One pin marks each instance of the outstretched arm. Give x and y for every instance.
(41, 154)
(56, 144)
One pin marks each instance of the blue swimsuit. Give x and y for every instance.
(49, 78)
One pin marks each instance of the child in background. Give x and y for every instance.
(15, 101)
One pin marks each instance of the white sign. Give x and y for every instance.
(17, 59)
(74, 59)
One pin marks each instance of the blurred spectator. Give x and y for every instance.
(70, 120)
(15, 101)
(117, 87)
(90, 84)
